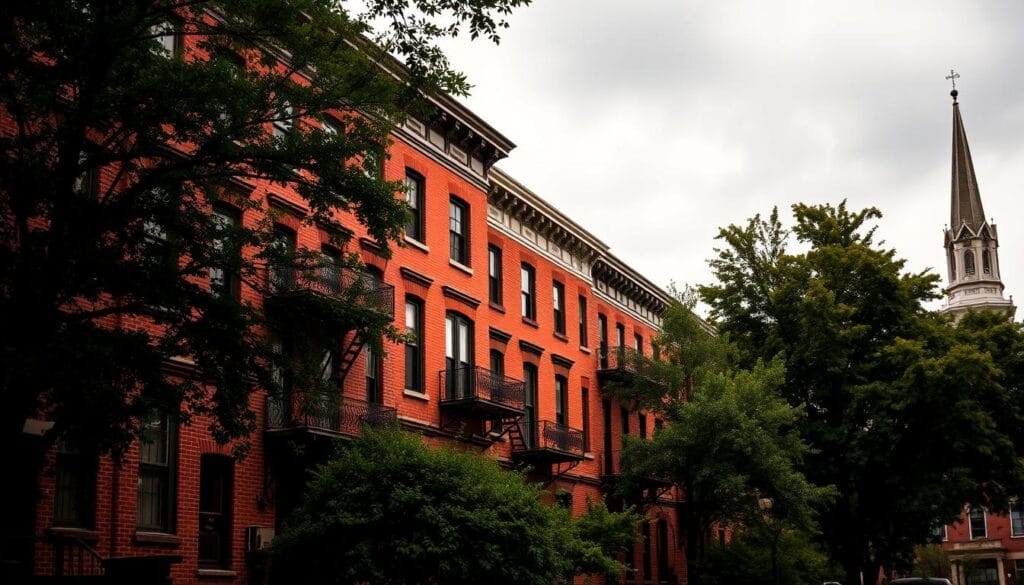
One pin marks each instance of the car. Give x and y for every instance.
(921, 581)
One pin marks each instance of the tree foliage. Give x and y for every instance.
(390, 509)
(117, 144)
(907, 416)
(730, 442)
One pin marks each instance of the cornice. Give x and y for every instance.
(453, 293)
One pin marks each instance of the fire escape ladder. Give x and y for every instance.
(350, 354)
(558, 470)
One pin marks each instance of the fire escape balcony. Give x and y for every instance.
(547, 443)
(650, 487)
(321, 414)
(340, 292)
(624, 365)
(473, 391)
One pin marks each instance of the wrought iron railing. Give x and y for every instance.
(317, 411)
(625, 359)
(557, 437)
(475, 382)
(74, 558)
(334, 281)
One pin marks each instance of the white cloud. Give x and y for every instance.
(694, 115)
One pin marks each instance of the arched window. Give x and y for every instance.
(968, 262)
(986, 262)
(952, 265)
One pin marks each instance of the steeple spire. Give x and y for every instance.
(972, 244)
(965, 197)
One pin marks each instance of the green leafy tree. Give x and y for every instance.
(390, 509)
(729, 442)
(906, 415)
(747, 558)
(117, 143)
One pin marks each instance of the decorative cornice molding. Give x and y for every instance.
(530, 348)
(453, 293)
(499, 335)
(282, 204)
(413, 276)
(563, 361)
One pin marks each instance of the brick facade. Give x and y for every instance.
(500, 213)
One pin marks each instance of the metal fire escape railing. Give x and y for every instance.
(314, 411)
(333, 281)
(476, 383)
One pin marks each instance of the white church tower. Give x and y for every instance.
(972, 243)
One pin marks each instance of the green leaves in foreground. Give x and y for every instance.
(391, 509)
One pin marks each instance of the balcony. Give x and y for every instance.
(548, 442)
(321, 414)
(650, 487)
(326, 281)
(476, 391)
(623, 365)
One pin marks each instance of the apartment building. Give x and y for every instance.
(517, 318)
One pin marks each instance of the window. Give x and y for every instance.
(215, 498)
(939, 533)
(414, 199)
(952, 265)
(282, 250)
(530, 404)
(157, 447)
(458, 231)
(494, 280)
(609, 456)
(527, 290)
(1017, 518)
(87, 182)
(373, 163)
(168, 39)
(458, 353)
(638, 343)
(558, 302)
(976, 516)
(414, 344)
(284, 121)
(74, 499)
(968, 262)
(986, 262)
(620, 336)
(497, 363)
(561, 400)
(645, 529)
(372, 362)
(585, 410)
(624, 418)
(583, 320)
(224, 280)
(642, 425)
(602, 333)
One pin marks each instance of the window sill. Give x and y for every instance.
(585, 349)
(496, 307)
(460, 266)
(588, 456)
(530, 322)
(71, 532)
(163, 538)
(417, 244)
(416, 394)
(561, 337)
(216, 573)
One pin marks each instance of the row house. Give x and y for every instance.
(517, 317)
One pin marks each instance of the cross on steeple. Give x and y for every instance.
(953, 76)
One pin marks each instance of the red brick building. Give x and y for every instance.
(518, 316)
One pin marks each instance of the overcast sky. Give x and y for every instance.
(653, 123)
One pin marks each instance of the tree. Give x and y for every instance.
(906, 415)
(390, 509)
(124, 124)
(729, 442)
(746, 559)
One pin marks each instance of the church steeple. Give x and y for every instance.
(972, 244)
(966, 200)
